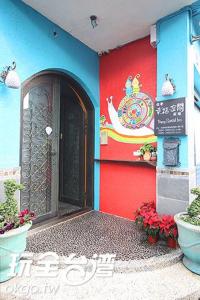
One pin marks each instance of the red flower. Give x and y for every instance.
(21, 214)
(168, 227)
(145, 208)
(21, 221)
(147, 216)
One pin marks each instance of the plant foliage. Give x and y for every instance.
(9, 207)
(153, 223)
(10, 218)
(147, 148)
(193, 216)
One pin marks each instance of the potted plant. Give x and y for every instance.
(13, 230)
(189, 233)
(152, 226)
(156, 225)
(168, 231)
(146, 151)
(140, 213)
(148, 219)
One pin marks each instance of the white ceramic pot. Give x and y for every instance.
(189, 241)
(12, 242)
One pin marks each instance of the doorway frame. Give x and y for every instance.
(87, 102)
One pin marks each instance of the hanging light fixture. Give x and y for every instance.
(168, 87)
(10, 77)
(93, 20)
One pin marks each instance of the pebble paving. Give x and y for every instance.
(96, 233)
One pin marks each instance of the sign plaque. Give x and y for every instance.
(170, 116)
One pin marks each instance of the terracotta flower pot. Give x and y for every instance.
(152, 239)
(153, 156)
(147, 155)
(172, 243)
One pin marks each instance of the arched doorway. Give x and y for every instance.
(57, 146)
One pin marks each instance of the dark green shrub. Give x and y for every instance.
(9, 207)
(193, 210)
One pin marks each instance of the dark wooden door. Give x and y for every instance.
(73, 149)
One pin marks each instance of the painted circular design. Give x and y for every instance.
(135, 111)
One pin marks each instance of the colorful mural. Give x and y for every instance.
(127, 94)
(133, 122)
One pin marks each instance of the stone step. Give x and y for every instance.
(174, 282)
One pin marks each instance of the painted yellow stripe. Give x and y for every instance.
(129, 139)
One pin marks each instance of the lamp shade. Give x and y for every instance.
(12, 80)
(168, 88)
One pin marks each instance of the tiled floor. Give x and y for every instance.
(95, 233)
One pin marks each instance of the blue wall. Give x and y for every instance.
(172, 59)
(27, 38)
(196, 31)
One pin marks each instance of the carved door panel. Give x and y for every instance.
(39, 145)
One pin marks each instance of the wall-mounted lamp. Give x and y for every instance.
(195, 38)
(93, 20)
(168, 87)
(10, 77)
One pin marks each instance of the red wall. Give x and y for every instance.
(124, 187)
